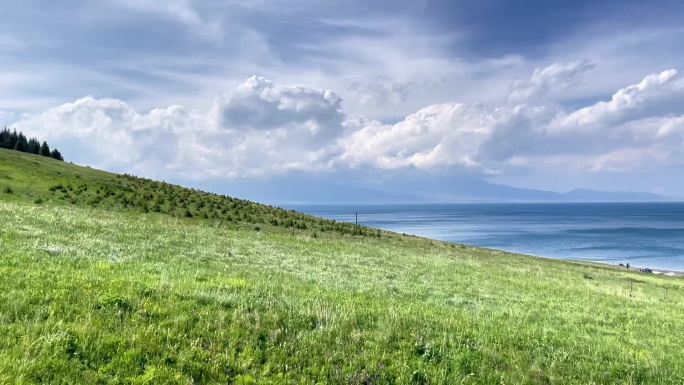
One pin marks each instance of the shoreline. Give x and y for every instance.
(642, 269)
(622, 267)
(618, 266)
(632, 269)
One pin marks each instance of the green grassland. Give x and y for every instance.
(103, 288)
(34, 179)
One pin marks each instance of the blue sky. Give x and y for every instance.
(242, 96)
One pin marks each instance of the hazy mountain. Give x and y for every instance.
(405, 188)
(585, 195)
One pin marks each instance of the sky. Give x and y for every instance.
(248, 97)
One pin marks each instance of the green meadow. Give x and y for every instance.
(112, 279)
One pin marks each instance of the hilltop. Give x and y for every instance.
(109, 278)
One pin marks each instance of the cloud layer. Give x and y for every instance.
(262, 128)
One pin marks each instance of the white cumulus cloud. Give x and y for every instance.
(109, 133)
(262, 128)
(257, 128)
(633, 99)
(442, 135)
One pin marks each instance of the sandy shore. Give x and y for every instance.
(669, 273)
(638, 269)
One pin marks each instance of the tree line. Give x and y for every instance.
(17, 141)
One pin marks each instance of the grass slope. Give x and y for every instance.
(39, 180)
(110, 295)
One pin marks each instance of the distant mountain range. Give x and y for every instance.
(477, 190)
(585, 195)
(407, 189)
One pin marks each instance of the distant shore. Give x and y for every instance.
(638, 269)
(655, 271)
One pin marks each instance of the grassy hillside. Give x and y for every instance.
(102, 292)
(39, 180)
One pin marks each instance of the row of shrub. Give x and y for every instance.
(144, 195)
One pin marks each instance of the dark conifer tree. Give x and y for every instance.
(21, 144)
(33, 146)
(8, 139)
(45, 149)
(5, 138)
(13, 139)
(56, 154)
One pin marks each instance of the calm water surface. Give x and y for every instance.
(643, 234)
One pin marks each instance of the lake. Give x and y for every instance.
(642, 234)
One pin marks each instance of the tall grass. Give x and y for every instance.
(92, 296)
(99, 291)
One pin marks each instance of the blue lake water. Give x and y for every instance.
(642, 234)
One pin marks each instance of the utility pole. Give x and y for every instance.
(356, 220)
